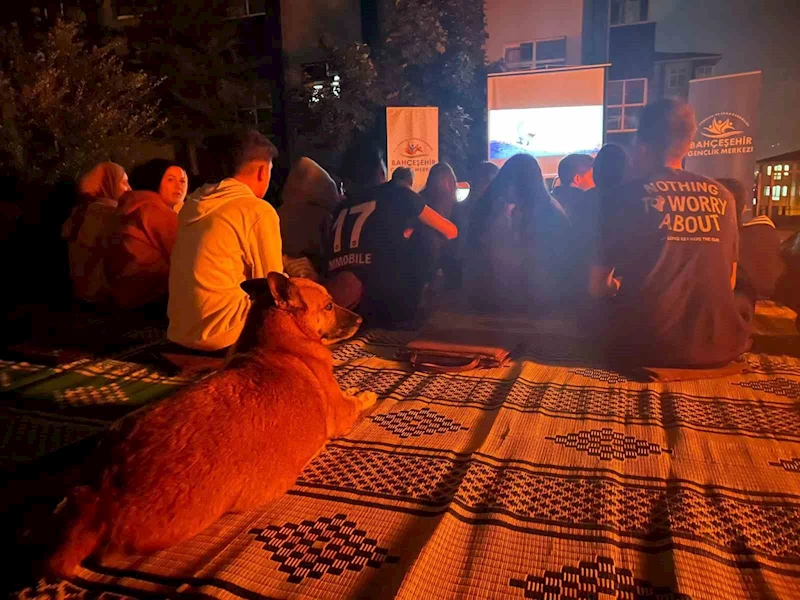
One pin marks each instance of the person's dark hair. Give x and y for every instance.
(667, 127)
(362, 165)
(147, 176)
(520, 179)
(572, 165)
(403, 174)
(483, 174)
(248, 146)
(739, 193)
(434, 191)
(610, 167)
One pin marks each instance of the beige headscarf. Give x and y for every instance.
(92, 221)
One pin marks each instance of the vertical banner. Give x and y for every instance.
(727, 121)
(412, 140)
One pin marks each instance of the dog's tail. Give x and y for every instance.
(82, 534)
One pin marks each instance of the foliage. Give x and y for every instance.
(67, 106)
(430, 53)
(213, 84)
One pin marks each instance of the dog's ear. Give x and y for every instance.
(256, 288)
(284, 292)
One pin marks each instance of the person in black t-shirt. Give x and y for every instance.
(669, 247)
(367, 240)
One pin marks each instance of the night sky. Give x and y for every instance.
(751, 35)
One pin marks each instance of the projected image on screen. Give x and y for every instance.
(542, 132)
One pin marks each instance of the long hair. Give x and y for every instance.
(520, 180)
(436, 192)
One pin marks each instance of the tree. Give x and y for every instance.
(213, 84)
(430, 52)
(67, 106)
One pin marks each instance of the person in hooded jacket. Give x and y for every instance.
(138, 256)
(227, 233)
(309, 198)
(86, 231)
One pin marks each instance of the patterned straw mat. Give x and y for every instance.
(530, 481)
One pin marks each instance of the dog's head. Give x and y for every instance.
(309, 305)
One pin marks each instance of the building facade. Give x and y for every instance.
(558, 33)
(778, 188)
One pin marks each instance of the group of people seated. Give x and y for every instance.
(640, 252)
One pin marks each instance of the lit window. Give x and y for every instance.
(779, 167)
(776, 192)
(769, 169)
(778, 175)
(785, 191)
(767, 190)
(625, 100)
(786, 168)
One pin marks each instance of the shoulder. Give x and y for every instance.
(762, 220)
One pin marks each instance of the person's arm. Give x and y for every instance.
(264, 240)
(435, 221)
(602, 283)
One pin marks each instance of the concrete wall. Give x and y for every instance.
(510, 22)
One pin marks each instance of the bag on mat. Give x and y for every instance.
(452, 351)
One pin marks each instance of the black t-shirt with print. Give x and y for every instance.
(367, 239)
(672, 238)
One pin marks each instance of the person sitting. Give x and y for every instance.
(575, 174)
(86, 231)
(403, 176)
(227, 233)
(760, 264)
(516, 245)
(482, 176)
(138, 256)
(668, 254)
(309, 198)
(368, 242)
(608, 172)
(431, 248)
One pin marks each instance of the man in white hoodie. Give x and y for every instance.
(227, 233)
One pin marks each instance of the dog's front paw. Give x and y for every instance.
(365, 399)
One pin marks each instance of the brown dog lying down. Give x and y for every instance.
(231, 442)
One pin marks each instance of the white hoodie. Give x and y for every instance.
(225, 236)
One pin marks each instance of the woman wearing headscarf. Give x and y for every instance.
(88, 227)
(308, 200)
(138, 255)
(516, 243)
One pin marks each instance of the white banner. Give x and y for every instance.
(412, 140)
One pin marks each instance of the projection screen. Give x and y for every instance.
(546, 113)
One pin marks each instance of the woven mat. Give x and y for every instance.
(530, 481)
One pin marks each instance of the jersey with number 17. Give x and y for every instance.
(367, 235)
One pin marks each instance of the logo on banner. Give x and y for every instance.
(722, 133)
(414, 148)
(414, 152)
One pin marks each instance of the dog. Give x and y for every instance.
(229, 443)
